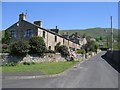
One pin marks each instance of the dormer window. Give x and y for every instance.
(29, 33)
(13, 34)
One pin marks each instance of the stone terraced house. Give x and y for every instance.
(24, 30)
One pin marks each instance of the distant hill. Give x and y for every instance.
(93, 32)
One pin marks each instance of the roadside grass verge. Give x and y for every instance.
(46, 68)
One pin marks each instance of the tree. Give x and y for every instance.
(63, 50)
(19, 48)
(90, 46)
(37, 45)
(6, 41)
(7, 38)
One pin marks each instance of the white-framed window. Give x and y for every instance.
(13, 34)
(29, 33)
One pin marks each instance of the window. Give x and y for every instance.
(63, 40)
(29, 33)
(13, 34)
(55, 38)
(49, 47)
(43, 34)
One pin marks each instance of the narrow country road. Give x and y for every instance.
(94, 73)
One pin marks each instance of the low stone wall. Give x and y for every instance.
(113, 55)
(6, 58)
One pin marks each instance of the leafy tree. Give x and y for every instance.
(90, 46)
(7, 38)
(6, 41)
(37, 45)
(19, 48)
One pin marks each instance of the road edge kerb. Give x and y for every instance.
(45, 76)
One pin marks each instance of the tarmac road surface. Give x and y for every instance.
(93, 73)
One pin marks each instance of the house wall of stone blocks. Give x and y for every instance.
(20, 30)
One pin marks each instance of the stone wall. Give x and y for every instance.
(6, 58)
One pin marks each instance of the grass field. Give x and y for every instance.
(93, 32)
(47, 68)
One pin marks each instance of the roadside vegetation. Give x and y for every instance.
(46, 68)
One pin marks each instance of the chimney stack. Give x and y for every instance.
(22, 17)
(56, 27)
(38, 23)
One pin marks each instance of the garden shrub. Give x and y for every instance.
(19, 48)
(26, 63)
(57, 47)
(81, 51)
(63, 50)
(37, 46)
(5, 48)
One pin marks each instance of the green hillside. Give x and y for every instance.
(93, 32)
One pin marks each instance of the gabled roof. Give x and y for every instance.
(49, 31)
(43, 29)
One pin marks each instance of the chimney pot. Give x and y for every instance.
(22, 16)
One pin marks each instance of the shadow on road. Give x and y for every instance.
(112, 63)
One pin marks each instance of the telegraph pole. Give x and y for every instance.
(111, 35)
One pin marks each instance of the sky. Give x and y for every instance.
(65, 15)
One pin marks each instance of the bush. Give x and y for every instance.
(10, 64)
(5, 48)
(57, 47)
(81, 51)
(33, 62)
(26, 63)
(90, 53)
(19, 48)
(90, 46)
(37, 46)
(63, 50)
(96, 47)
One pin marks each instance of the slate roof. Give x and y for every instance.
(52, 32)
